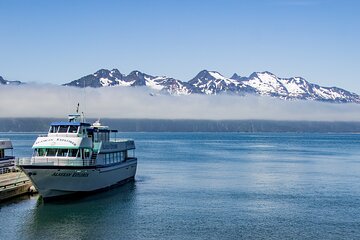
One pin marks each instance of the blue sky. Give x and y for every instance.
(60, 41)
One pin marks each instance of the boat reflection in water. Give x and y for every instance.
(86, 218)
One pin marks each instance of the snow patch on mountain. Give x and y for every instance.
(294, 86)
(266, 83)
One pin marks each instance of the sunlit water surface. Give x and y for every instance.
(209, 186)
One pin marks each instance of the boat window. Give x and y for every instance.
(87, 153)
(2, 155)
(73, 129)
(108, 158)
(90, 135)
(53, 129)
(62, 152)
(130, 154)
(51, 152)
(40, 152)
(63, 129)
(73, 152)
(101, 136)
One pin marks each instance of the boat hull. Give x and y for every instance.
(59, 181)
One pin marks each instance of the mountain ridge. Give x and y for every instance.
(213, 83)
(7, 82)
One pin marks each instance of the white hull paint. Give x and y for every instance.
(56, 182)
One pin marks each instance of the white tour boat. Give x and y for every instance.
(7, 160)
(77, 157)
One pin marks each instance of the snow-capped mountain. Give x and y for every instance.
(6, 82)
(266, 83)
(105, 78)
(212, 82)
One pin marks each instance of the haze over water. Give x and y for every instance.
(210, 186)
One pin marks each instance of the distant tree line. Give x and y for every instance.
(163, 125)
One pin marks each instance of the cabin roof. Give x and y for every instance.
(101, 130)
(5, 144)
(70, 124)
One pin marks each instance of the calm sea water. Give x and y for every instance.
(210, 186)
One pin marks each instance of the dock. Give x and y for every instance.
(14, 184)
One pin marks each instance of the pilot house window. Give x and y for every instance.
(53, 129)
(73, 129)
(63, 129)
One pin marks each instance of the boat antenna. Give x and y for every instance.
(77, 108)
(83, 116)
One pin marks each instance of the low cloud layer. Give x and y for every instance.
(34, 100)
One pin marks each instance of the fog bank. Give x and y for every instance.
(33, 100)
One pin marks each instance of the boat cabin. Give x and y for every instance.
(7, 160)
(81, 144)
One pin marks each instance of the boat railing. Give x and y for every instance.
(55, 161)
(121, 140)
